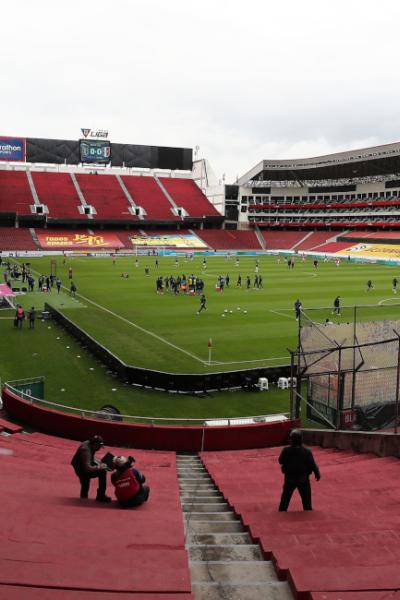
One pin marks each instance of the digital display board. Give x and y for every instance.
(95, 151)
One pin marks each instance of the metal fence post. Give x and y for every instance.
(339, 388)
(396, 412)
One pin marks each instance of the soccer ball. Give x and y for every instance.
(226, 310)
(222, 315)
(231, 311)
(245, 312)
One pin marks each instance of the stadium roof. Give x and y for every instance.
(367, 162)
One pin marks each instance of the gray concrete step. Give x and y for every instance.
(268, 591)
(214, 527)
(184, 485)
(193, 498)
(206, 507)
(232, 572)
(216, 539)
(202, 493)
(211, 516)
(242, 552)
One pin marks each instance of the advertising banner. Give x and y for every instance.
(169, 241)
(12, 149)
(373, 251)
(78, 240)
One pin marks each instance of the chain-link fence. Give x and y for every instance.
(352, 370)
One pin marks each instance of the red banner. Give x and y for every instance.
(78, 240)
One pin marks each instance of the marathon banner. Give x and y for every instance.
(373, 251)
(12, 149)
(186, 240)
(78, 240)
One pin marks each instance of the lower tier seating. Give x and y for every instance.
(282, 240)
(17, 239)
(347, 544)
(53, 540)
(224, 239)
(313, 241)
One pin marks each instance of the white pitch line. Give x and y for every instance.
(393, 299)
(240, 362)
(161, 339)
(151, 333)
(277, 312)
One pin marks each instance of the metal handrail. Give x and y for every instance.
(93, 413)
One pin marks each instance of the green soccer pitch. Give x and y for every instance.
(248, 328)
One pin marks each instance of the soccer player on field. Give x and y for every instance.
(370, 285)
(297, 308)
(394, 285)
(202, 304)
(336, 306)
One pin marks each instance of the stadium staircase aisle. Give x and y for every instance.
(347, 546)
(57, 546)
(224, 562)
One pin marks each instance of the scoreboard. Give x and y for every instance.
(95, 151)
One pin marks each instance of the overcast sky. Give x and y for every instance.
(243, 80)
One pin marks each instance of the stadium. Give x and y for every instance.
(108, 242)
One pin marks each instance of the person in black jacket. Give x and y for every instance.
(297, 464)
(87, 467)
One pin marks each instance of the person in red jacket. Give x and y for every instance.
(128, 483)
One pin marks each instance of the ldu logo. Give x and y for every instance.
(100, 133)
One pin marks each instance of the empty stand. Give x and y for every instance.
(105, 194)
(146, 193)
(17, 239)
(58, 193)
(334, 247)
(53, 540)
(348, 543)
(187, 194)
(314, 240)
(282, 240)
(224, 239)
(15, 193)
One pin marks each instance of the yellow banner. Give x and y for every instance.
(373, 251)
(176, 241)
(76, 240)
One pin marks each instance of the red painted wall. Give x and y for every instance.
(157, 437)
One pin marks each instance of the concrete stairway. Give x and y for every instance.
(224, 563)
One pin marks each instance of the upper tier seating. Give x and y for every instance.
(346, 544)
(282, 240)
(15, 193)
(106, 195)
(186, 194)
(16, 239)
(146, 193)
(58, 193)
(51, 539)
(314, 240)
(224, 239)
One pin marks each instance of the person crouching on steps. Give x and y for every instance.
(128, 483)
(87, 467)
